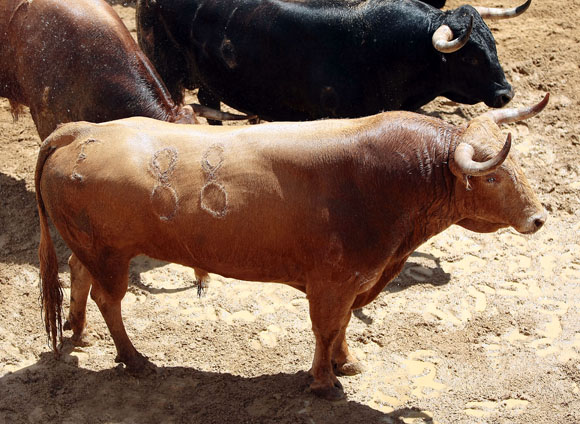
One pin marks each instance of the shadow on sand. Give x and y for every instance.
(19, 231)
(58, 391)
(411, 275)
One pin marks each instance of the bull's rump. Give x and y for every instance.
(203, 199)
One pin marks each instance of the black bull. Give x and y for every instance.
(286, 60)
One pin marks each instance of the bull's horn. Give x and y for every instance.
(218, 115)
(463, 158)
(444, 42)
(505, 116)
(500, 13)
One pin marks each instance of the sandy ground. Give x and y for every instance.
(476, 329)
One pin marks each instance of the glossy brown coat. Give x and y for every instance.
(333, 208)
(75, 60)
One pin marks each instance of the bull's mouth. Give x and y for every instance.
(533, 228)
(481, 226)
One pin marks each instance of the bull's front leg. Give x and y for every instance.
(330, 313)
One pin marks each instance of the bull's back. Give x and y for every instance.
(229, 201)
(188, 198)
(326, 58)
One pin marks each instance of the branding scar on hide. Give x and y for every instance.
(213, 195)
(75, 175)
(164, 198)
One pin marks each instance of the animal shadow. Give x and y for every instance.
(416, 273)
(413, 273)
(19, 230)
(56, 391)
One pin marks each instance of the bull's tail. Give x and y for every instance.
(16, 109)
(50, 284)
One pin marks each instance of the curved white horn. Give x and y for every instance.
(505, 116)
(463, 158)
(443, 38)
(500, 13)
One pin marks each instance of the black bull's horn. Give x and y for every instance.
(501, 13)
(443, 38)
(218, 115)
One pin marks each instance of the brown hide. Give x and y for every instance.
(75, 60)
(333, 208)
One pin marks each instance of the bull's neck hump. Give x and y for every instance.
(413, 174)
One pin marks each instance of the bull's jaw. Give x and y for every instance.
(529, 226)
(481, 226)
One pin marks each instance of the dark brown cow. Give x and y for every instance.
(333, 208)
(75, 60)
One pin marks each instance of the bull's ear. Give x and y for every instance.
(459, 174)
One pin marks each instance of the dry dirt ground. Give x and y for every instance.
(476, 329)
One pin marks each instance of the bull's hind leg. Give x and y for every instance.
(80, 285)
(344, 362)
(111, 280)
(329, 315)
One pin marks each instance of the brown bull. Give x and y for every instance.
(333, 208)
(76, 61)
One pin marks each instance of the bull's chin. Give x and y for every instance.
(528, 230)
(481, 226)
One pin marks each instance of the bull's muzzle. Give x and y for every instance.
(502, 97)
(535, 222)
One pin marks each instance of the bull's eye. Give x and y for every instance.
(470, 60)
(491, 179)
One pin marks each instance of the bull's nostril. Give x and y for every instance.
(539, 223)
(505, 99)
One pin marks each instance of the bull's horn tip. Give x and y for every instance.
(522, 8)
(543, 102)
(547, 97)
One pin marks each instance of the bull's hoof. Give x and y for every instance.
(333, 393)
(80, 340)
(137, 365)
(352, 367)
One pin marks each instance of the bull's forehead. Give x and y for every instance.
(487, 140)
(485, 137)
